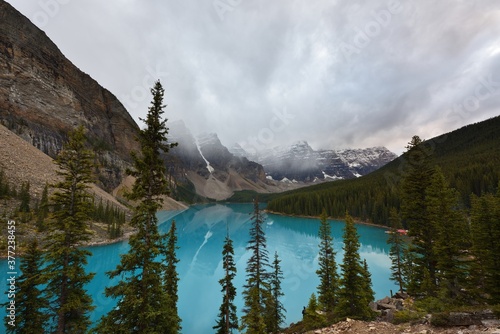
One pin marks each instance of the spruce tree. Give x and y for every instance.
(312, 318)
(227, 320)
(31, 303)
(485, 228)
(414, 212)
(275, 309)
(65, 272)
(397, 249)
(144, 304)
(327, 272)
(171, 277)
(43, 209)
(25, 197)
(353, 295)
(256, 290)
(451, 240)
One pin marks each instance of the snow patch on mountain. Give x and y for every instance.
(210, 168)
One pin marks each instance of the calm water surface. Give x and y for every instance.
(201, 233)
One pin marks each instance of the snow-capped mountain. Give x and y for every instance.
(209, 166)
(299, 162)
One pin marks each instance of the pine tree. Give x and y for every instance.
(144, 306)
(171, 277)
(353, 296)
(31, 304)
(414, 213)
(25, 197)
(485, 227)
(227, 321)
(397, 249)
(65, 272)
(275, 309)
(451, 240)
(327, 272)
(367, 280)
(43, 209)
(312, 319)
(256, 289)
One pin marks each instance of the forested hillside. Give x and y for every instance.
(469, 158)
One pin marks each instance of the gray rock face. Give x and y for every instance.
(43, 96)
(301, 163)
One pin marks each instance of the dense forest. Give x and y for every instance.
(468, 157)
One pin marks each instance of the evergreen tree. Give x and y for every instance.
(31, 304)
(327, 272)
(25, 197)
(312, 318)
(43, 209)
(367, 280)
(171, 277)
(144, 306)
(451, 239)
(397, 248)
(414, 213)
(256, 289)
(353, 296)
(276, 310)
(65, 272)
(227, 321)
(485, 227)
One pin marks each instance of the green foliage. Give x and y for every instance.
(256, 289)
(42, 211)
(485, 227)
(5, 190)
(227, 319)
(327, 272)
(25, 197)
(408, 316)
(355, 293)
(110, 215)
(313, 318)
(469, 158)
(31, 304)
(275, 309)
(396, 253)
(171, 282)
(146, 303)
(65, 273)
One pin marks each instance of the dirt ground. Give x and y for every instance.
(362, 327)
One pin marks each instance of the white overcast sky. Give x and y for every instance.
(346, 73)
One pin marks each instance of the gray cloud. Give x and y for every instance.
(352, 73)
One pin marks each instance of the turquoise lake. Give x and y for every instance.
(201, 233)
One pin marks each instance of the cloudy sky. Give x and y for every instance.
(345, 73)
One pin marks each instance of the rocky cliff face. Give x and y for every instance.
(43, 96)
(214, 171)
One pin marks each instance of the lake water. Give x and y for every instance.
(201, 233)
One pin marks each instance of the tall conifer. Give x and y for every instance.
(452, 236)
(31, 303)
(415, 214)
(256, 289)
(145, 303)
(397, 249)
(227, 321)
(327, 272)
(65, 271)
(355, 291)
(485, 227)
(275, 309)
